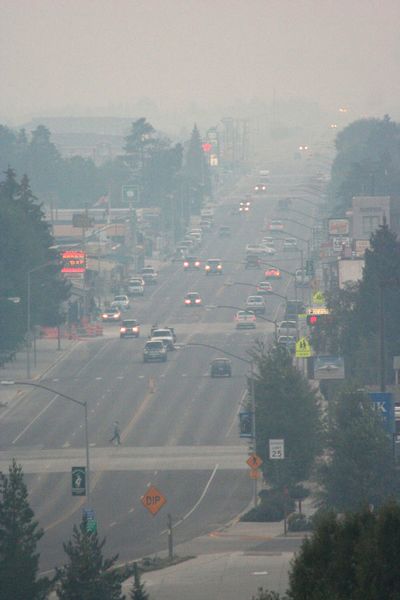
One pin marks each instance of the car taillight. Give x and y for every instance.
(198, 300)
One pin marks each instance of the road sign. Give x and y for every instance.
(384, 405)
(246, 424)
(153, 500)
(303, 348)
(254, 474)
(78, 481)
(254, 461)
(318, 298)
(276, 449)
(90, 520)
(130, 194)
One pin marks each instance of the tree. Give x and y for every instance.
(87, 575)
(19, 535)
(287, 408)
(367, 161)
(138, 592)
(359, 468)
(196, 171)
(354, 556)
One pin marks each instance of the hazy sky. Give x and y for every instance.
(71, 55)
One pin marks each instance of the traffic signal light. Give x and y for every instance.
(312, 319)
(245, 424)
(317, 319)
(310, 268)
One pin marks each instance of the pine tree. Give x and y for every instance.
(19, 535)
(138, 592)
(87, 575)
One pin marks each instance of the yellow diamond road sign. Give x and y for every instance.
(318, 298)
(303, 348)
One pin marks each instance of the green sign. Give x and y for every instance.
(310, 268)
(78, 481)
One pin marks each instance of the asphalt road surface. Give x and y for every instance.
(179, 426)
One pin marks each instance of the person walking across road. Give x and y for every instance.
(116, 438)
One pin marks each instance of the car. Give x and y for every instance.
(166, 336)
(268, 242)
(224, 231)
(213, 266)
(155, 327)
(259, 188)
(136, 287)
(256, 304)
(192, 299)
(244, 206)
(290, 243)
(191, 263)
(288, 342)
(149, 274)
(263, 288)
(284, 203)
(287, 328)
(272, 273)
(252, 261)
(301, 278)
(245, 319)
(253, 249)
(129, 328)
(111, 314)
(221, 367)
(206, 225)
(294, 308)
(155, 350)
(121, 301)
(275, 225)
(267, 250)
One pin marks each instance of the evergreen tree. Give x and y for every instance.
(359, 469)
(286, 408)
(196, 171)
(87, 574)
(19, 535)
(138, 592)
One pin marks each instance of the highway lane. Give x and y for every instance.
(187, 408)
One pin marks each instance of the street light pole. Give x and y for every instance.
(83, 404)
(28, 317)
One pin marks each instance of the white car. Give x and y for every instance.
(121, 301)
(256, 304)
(166, 336)
(268, 242)
(245, 319)
(135, 287)
(275, 225)
(287, 328)
(263, 288)
(290, 243)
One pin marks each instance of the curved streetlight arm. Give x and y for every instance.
(298, 223)
(62, 395)
(254, 285)
(249, 362)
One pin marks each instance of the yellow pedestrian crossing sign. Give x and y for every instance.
(303, 348)
(318, 298)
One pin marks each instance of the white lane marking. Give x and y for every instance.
(260, 573)
(34, 419)
(113, 524)
(66, 445)
(55, 379)
(99, 378)
(141, 376)
(184, 374)
(120, 377)
(131, 509)
(191, 511)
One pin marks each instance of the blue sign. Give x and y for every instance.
(384, 405)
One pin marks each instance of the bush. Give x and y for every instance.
(299, 522)
(271, 507)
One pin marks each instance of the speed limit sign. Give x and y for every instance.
(276, 449)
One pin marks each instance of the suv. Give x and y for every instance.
(155, 350)
(287, 328)
(111, 314)
(256, 304)
(136, 287)
(166, 336)
(149, 275)
(294, 308)
(121, 301)
(252, 261)
(221, 367)
(213, 266)
(288, 342)
(129, 328)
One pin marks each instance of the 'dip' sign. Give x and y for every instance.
(153, 500)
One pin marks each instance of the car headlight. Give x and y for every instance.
(123, 329)
(208, 267)
(219, 267)
(135, 329)
(198, 300)
(187, 301)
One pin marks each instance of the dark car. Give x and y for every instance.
(129, 328)
(192, 299)
(191, 263)
(213, 266)
(252, 261)
(224, 231)
(221, 367)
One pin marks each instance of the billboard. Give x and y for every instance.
(74, 261)
(338, 226)
(328, 367)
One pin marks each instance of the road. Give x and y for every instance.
(179, 426)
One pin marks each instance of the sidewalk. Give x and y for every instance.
(47, 356)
